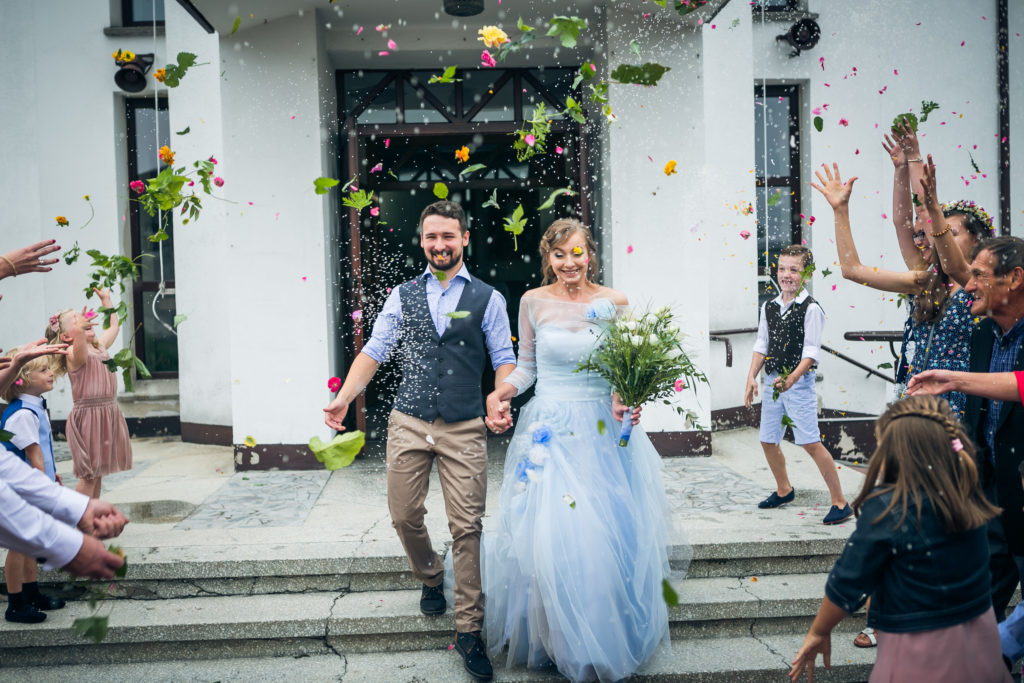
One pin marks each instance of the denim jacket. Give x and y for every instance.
(919, 576)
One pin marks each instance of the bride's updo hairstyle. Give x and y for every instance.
(556, 235)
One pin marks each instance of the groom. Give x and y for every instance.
(444, 323)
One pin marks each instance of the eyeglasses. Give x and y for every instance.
(920, 237)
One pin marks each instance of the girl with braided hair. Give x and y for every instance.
(920, 552)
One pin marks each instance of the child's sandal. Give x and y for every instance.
(866, 638)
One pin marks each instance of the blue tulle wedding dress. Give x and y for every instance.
(574, 557)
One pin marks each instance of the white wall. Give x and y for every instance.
(60, 111)
(669, 264)
(277, 330)
(201, 249)
(1016, 12)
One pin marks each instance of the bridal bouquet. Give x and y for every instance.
(643, 359)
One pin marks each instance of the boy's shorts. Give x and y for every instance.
(801, 405)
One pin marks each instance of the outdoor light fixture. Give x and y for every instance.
(131, 77)
(803, 35)
(463, 8)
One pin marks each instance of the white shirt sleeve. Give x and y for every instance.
(36, 489)
(24, 425)
(814, 324)
(26, 529)
(761, 345)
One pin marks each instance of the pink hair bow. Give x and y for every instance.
(957, 444)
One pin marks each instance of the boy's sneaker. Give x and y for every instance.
(837, 514)
(432, 600)
(474, 657)
(775, 500)
(24, 613)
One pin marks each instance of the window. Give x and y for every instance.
(155, 342)
(142, 12)
(775, 5)
(777, 155)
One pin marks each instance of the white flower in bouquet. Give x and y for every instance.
(538, 455)
(643, 359)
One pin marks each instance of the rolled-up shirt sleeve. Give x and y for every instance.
(30, 531)
(761, 344)
(385, 329)
(498, 332)
(814, 324)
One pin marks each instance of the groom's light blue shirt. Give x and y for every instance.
(440, 302)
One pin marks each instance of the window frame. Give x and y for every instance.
(128, 15)
(793, 181)
(139, 286)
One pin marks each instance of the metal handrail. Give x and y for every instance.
(723, 336)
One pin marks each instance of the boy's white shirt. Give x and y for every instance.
(24, 424)
(814, 325)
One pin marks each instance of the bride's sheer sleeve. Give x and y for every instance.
(526, 365)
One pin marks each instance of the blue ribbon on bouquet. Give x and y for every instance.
(627, 427)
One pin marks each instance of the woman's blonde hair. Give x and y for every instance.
(556, 234)
(55, 329)
(923, 453)
(17, 385)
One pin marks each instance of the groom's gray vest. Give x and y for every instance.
(441, 375)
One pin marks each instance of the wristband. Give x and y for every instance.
(915, 161)
(940, 234)
(14, 270)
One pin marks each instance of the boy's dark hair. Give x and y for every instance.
(446, 209)
(1008, 253)
(799, 250)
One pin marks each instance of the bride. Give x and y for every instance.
(574, 562)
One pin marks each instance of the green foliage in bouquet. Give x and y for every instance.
(643, 359)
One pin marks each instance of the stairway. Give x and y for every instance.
(229, 605)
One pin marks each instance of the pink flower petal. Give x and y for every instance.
(392, 45)
(378, 168)
(745, 234)
(629, 248)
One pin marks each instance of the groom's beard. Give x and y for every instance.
(452, 261)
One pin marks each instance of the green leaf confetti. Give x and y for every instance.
(819, 123)
(515, 225)
(646, 74)
(440, 190)
(236, 25)
(456, 315)
(340, 451)
(323, 185)
(567, 29)
(669, 593)
(447, 77)
(471, 168)
(554, 195)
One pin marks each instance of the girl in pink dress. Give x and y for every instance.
(96, 430)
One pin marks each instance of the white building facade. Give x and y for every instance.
(269, 277)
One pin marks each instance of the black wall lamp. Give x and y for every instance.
(463, 8)
(803, 35)
(131, 77)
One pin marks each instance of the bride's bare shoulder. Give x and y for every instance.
(617, 297)
(536, 292)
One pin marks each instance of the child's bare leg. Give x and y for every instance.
(14, 567)
(827, 466)
(777, 464)
(84, 486)
(30, 570)
(97, 487)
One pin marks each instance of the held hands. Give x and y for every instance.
(102, 520)
(836, 192)
(335, 413)
(751, 391)
(619, 410)
(499, 413)
(813, 644)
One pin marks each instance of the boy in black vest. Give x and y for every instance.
(788, 340)
(445, 323)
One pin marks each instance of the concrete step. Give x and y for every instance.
(179, 572)
(370, 621)
(751, 658)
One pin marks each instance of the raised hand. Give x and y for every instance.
(928, 185)
(28, 259)
(85, 320)
(36, 349)
(894, 150)
(104, 296)
(907, 139)
(836, 192)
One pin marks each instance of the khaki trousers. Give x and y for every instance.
(460, 450)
